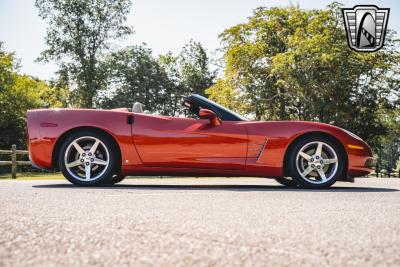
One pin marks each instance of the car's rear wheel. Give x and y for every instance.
(87, 158)
(316, 162)
(286, 181)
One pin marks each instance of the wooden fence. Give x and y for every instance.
(14, 162)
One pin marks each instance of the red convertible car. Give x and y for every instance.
(93, 147)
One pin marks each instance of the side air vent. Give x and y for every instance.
(255, 149)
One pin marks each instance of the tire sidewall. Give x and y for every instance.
(293, 157)
(105, 178)
(116, 178)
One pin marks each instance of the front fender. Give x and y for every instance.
(280, 135)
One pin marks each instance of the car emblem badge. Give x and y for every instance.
(365, 27)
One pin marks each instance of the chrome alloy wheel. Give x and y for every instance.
(86, 158)
(317, 162)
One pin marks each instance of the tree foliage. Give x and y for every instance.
(79, 34)
(19, 93)
(290, 63)
(389, 150)
(135, 75)
(195, 73)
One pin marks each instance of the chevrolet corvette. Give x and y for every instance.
(95, 147)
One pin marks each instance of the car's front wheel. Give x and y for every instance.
(87, 158)
(316, 162)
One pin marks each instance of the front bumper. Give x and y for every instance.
(360, 159)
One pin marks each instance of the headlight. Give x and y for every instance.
(352, 135)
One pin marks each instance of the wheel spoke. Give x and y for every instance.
(304, 155)
(319, 149)
(81, 161)
(317, 162)
(94, 146)
(307, 171)
(321, 174)
(78, 147)
(87, 172)
(100, 161)
(330, 161)
(74, 163)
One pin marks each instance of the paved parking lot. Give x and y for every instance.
(201, 222)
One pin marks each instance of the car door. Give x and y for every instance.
(191, 143)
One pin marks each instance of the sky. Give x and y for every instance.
(164, 25)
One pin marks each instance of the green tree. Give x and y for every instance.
(195, 74)
(169, 63)
(290, 63)
(189, 73)
(18, 93)
(388, 157)
(135, 75)
(79, 34)
(158, 83)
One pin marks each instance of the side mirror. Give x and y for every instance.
(210, 115)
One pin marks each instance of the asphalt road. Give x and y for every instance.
(199, 222)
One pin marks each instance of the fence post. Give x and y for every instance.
(14, 161)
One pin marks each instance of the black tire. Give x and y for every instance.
(116, 178)
(336, 172)
(105, 175)
(286, 182)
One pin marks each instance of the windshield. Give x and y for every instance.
(218, 106)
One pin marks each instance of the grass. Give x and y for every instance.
(34, 176)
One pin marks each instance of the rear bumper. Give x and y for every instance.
(34, 164)
(39, 148)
